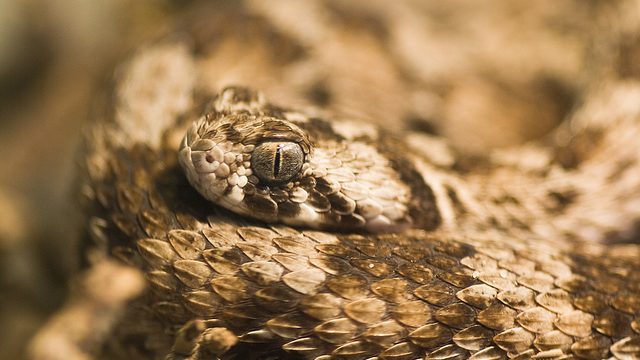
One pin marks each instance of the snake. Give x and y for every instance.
(267, 229)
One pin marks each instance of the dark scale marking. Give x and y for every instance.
(627, 54)
(621, 167)
(250, 30)
(355, 221)
(341, 204)
(307, 183)
(333, 217)
(505, 199)
(367, 23)
(514, 222)
(280, 127)
(262, 206)
(288, 209)
(320, 94)
(273, 111)
(579, 148)
(423, 209)
(279, 195)
(420, 124)
(324, 187)
(244, 95)
(558, 201)
(319, 202)
(234, 135)
(249, 189)
(455, 201)
(320, 129)
(226, 127)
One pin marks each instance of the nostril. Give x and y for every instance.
(209, 159)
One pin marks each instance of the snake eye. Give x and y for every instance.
(276, 162)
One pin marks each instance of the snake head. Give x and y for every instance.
(279, 166)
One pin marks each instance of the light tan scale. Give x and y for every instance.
(277, 232)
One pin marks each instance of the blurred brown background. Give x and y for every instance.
(54, 55)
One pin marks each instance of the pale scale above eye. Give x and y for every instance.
(277, 162)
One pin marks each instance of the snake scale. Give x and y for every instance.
(278, 230)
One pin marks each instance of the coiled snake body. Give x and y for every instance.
(341, 241)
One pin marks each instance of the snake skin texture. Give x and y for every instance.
(514, 256)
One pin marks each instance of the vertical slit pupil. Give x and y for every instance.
(276, 161)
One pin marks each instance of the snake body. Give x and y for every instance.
(352, 243)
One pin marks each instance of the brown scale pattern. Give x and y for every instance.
(348, 296)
